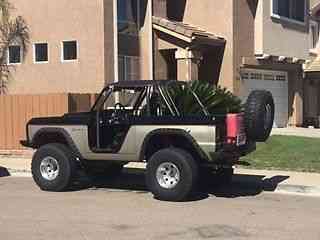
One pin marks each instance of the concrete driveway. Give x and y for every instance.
(123, 209)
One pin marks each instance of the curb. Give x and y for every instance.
(283, 188)
(19, 173)
(298, 190)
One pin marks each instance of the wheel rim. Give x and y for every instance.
(49, 168)
(268, 116)
(168, 175)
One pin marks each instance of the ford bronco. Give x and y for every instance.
(139, 121)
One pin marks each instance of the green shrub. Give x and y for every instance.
(216, 100)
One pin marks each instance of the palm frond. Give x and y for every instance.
(12, 31)
(216, 99)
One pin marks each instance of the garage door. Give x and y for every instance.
(274, 81)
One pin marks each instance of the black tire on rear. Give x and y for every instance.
(257, 129)
(188, 174)
(67, 167)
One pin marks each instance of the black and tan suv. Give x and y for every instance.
(138, 121)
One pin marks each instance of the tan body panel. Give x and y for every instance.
(131, 148)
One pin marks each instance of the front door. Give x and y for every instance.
(114, 118)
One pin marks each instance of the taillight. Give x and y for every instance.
(235, 128)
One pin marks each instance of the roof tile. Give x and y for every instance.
(184, 28)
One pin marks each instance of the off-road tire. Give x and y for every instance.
(67, 167)
(188, 174)
(258, 126)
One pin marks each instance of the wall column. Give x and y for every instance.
(188, 64)
(296, 93)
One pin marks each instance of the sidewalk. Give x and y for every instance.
(294, 131)
(274, 181)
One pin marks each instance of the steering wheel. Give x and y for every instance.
(118, 106)
(119, 113)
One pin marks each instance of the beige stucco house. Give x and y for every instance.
(266, 44)
(312, 70)
(79, 46)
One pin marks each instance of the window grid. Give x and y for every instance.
(268, 77)
(256, 76)
(281, 78)
(128, 68)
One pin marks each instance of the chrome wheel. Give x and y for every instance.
(168, 175)
(49, 168)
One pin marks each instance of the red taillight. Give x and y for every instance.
(235, 127)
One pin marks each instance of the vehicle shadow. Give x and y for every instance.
(133, 180)
(247, 185)
(4, 172)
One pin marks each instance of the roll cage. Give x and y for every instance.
(145, 90)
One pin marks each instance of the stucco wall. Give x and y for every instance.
(146, 66)
(215, 16)
(53, 22)
(244, 36)
(279, 37)
(313, 3)
(109, 38)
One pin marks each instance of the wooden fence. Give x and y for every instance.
(17, 110)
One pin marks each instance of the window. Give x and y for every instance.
(69, 50)
(128, 16)
(14, 54)
(314, 34)
(244, 76)
(256, 76)
(268, 77)
(128, 68)
(294, 10)
(41, 52)
(281, 78)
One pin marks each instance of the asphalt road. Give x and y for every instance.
(122, 209)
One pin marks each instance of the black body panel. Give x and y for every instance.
(67, 119)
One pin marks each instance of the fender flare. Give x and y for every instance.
(61, 131)
(168, 132)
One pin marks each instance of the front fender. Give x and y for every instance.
(54, 130)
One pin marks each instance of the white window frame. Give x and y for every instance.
(34, 53)
(290, 20)
(313, 49)
(62, 52)
(8, 55)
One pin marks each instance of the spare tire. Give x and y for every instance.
(259, 115)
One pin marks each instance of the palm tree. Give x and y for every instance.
(12, 31)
